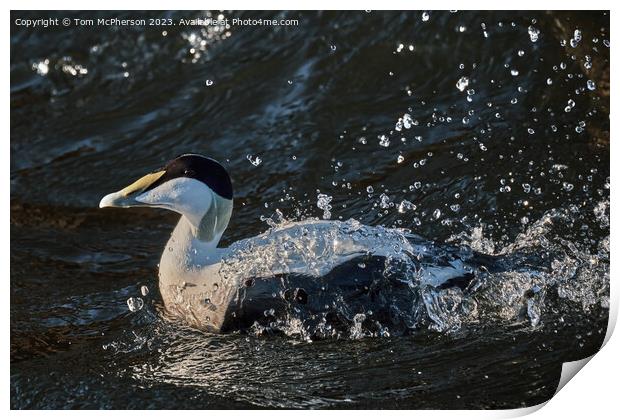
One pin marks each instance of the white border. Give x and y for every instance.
(593, 394)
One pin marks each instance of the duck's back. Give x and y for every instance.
(318, 270)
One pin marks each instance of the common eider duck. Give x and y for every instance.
(306, 268)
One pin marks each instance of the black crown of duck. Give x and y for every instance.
(201, 168)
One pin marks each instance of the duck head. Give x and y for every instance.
(195, 186)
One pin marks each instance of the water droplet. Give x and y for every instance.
(209, 82)
(407, 121)
(254, 160)
(369, 189)
(437, 214)
(144, 290)
(534, 33)
(405, 206)
(135, 304)
(514, 72)
(384, 140)
(385, 201)
(425, 16)
(591, 85)
(462, 83)
(42, 67)
(576, 38)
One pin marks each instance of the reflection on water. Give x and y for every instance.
(483, 130)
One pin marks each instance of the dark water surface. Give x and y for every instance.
(512, 161)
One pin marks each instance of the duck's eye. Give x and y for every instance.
(190, 172)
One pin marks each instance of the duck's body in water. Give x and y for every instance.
(309, 268)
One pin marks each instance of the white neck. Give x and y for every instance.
(193, 243)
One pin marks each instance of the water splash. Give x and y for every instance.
(322, 202)
(530, 280)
